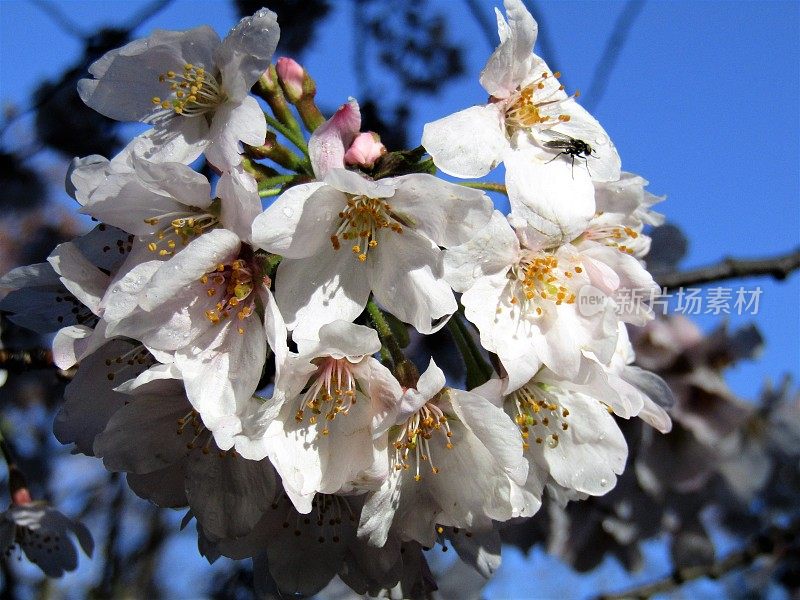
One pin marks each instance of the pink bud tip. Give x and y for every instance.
(21, 496)
(291, 75)
(365, 150)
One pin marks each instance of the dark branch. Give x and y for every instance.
(111, 569)
(23, 360)
(778, 267)
(60, 18)
(543, 39)
(145, 13)
(485, 22)
(775, 541)
(614, 46)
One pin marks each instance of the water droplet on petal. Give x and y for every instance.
(287, 212)
(603, 482)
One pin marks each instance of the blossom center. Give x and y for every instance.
(414, 438)
(170, 231)
(623, 238)
(201, 437)
(129, 364)
(192, 92)
(537, 280)
(73, 309)
(232, 284)
(537, 103)
(360, 222)
(539, 416)
(332, 392)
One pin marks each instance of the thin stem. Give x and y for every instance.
(487, 186)
(272, 186)
(293, 136)
(8, 456)
(478, 370)
(385, 332)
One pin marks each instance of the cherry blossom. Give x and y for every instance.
(346, 237)
(522, 297)
(329, 403)
(210, 306)
(45, 536)
(192, 87)
(531, 125)
(454, 458)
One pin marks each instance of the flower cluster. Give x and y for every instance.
(725, 459)
(226, 352)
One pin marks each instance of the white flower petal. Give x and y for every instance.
(140, 437)
(330, 141)
(90, 399)
(240, 202)
(164, 488)
(234, 122)
(446, 213)
(72, 344)
(340, 339)
(221, 370)
(175, 180)
(180, 140)
(592, 452)
(604, 163)
(469, 143)
(554, 199)
(490, 251)
(495, 430)
(201, 256)
(79, 276)
(509, 64)
(320, 289)
(128, 78)
(228, 494)
(407, 279)
(357, 185)
(246, 52)
(295, 225)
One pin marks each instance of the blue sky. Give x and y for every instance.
(703, 103)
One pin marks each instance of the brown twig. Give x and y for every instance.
(778, 267)
(773, 542)
(23, 360)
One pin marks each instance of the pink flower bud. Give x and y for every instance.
(21, 497)
(365, 150)
(291, 75)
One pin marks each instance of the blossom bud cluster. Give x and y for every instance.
(227, 352)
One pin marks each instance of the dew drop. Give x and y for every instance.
(287, 212)
(603, 482)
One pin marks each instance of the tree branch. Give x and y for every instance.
(775, 541)
(614, 44)
(778, 267)
(485, 22)
(23, 360)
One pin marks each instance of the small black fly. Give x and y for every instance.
(569, 146)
